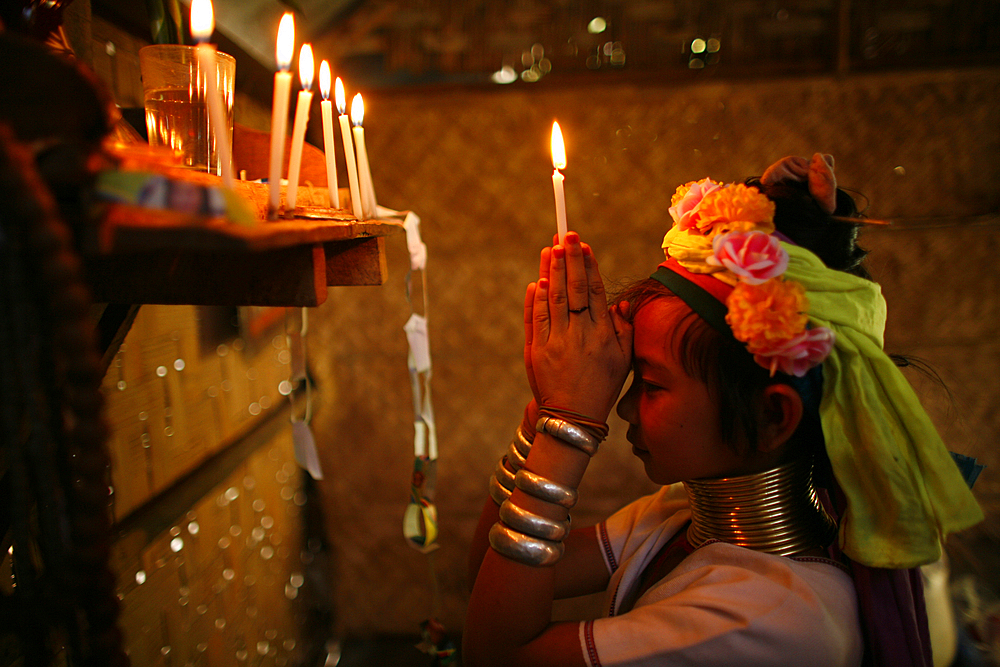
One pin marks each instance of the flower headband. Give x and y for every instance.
(725, 232)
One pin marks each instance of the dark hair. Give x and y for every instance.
(722, 362)
(799, 217)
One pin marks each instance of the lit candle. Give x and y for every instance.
(202, 25)
(301, 120)
(279, 109)
(559, 162)
(345, 132)
(364, 171)
(326, 106)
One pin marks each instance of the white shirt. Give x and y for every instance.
(722, 605)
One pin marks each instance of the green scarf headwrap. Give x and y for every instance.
(904, 492)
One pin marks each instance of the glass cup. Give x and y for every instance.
(173, 87)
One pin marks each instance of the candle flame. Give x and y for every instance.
(286, 41)
(202, 20)
(357, 111)
(324, 79)
(306, 66)
(341, 97)
(558, 148)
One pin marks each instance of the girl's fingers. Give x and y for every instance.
(529, 306)
(623, 328)
(596, 297)
(541, 325)
(543, 263)
(577, 285)
(557, 314)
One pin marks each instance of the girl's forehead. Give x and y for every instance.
(658, 328)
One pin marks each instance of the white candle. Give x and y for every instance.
(559, 162)
(202, 25)
(279, 109)
(345, 132)
(301, 120)
(326, 106)
(364, 171)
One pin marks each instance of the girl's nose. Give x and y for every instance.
(626, 408)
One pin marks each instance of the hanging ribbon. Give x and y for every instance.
(420, 516)
(305, 444)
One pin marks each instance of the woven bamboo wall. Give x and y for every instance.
(922, 146)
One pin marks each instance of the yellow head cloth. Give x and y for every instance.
(904, 491)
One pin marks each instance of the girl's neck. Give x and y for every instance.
(775, 511)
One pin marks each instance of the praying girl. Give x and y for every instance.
(802, 483)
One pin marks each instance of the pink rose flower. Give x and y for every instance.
(801, 353)
(755, 257)
(684, 211)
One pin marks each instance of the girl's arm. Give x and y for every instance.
(580, 354)
(581, 570)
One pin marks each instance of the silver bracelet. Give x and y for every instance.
(533, 524)
(569, 433)
(515, 458)
(521, 442)
(504, 476)
(524, 549)
(545, 489)
(497, 492)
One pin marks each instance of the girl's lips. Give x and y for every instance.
(636, 449)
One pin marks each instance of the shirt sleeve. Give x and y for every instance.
(727, 605)
(625, 531)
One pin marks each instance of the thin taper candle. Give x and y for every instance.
(279, 110)
(202, 25)
(559, 162)
(364, 170)
(301, 120)
(326, 107)
(352, 167)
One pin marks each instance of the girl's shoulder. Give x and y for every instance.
(724, 600)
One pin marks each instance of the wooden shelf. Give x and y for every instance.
(142, 255)
(161, 256)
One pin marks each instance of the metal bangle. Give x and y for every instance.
(521, 442)
(569, 433)
(545, 489)
(533, 524)
(524, 549)
(503, 475)
(515, 458)
(497, 492)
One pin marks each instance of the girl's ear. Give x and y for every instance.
(781, 414)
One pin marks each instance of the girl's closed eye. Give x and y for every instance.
(650, 385)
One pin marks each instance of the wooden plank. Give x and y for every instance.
(114, 324)
(133, 229)
(294, 276)
(356, 262)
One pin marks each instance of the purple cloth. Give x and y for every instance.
(890, 604)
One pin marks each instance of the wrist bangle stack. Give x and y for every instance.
(521, 535)
(497, 492)
(527, 537)
(502, 481)
(569, 433)
(545, 489)
(515, 459)
(521, 442)
(524, 549)
(533, 525)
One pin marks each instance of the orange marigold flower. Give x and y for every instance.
(768, 315)
(738, 208)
